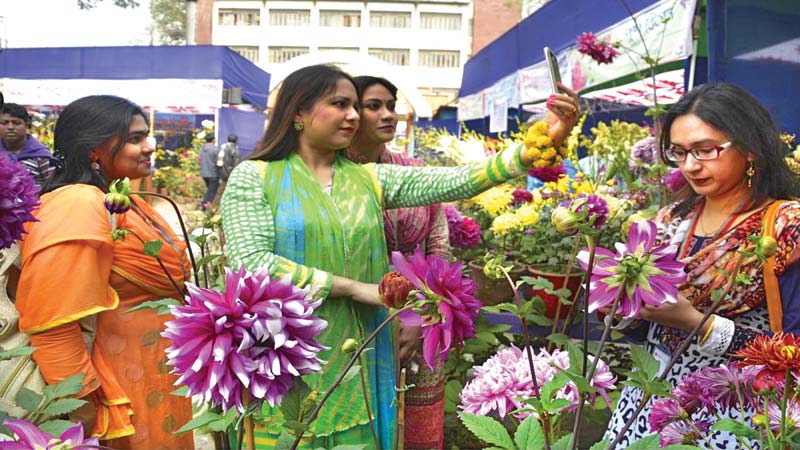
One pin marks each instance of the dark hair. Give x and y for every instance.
(15, 110)
(751, 128)
(299, 91)
(232, 138)
(365, 81)
(84, 125)
(209, 137)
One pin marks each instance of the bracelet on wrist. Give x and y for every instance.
(708, 331)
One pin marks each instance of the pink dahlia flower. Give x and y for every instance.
(674, 180)
(18, 198)
(449, 307)
(693, 394)
(727, 383)
(792, 416)
(257, 335)
(663, 412)
(30, 437)
(521, 196)
(677, 433)
(602, 52)
(464, 231)
(647, 274)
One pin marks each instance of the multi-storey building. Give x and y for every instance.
(426, 42)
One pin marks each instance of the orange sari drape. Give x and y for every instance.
(71, 269)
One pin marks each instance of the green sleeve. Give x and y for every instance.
(405, 186)
(250, 231)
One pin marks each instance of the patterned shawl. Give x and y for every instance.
(707, 267)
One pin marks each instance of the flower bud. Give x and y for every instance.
(767, 246)
(117, 203)
(760, 420)
(564, 220)
(765, 384)
(394, 289)
(350, 346)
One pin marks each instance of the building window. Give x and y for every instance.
(348, 19)
(248, 52)
(239, 17)
(389, 19)
(282, 54)
(289, 17)
(393, 56)
(439, 58)
(440, 21)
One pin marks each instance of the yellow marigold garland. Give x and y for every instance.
(540, 148)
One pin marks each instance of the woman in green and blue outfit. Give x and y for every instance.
(298, 206)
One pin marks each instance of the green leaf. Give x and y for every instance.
(285, 441)
(736, 428)
(602, 445)
(559, 339)
(352, 373)
(296, 426)
(293, 401)
(16, 352)
(646, 443)
(563, 443)
(350, 447)
(158, 305)
(644, 361)
(67, 387)
(538, 283)
(207, 259)
(56, 427)
(63, 406)
(529, 434)
(181, 391)
(152, 248)
(540, 320)
(488, 430)
(551, 387)
(199, 421)
(451, 398)
(28, 400)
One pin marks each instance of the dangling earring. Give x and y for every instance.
(751, 172)
(95, 166)
(298, 125)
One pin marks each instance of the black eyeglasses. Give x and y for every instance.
(677, 154)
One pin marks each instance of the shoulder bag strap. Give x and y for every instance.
(771, 287)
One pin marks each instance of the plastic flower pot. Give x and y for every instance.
(492, 292)
(557, 276)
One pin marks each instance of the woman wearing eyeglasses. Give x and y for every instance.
(727, 146)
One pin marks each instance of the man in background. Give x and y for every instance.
(208, 170)
(227, 159)
(21, 146)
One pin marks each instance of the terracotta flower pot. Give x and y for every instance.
(492, 292)
(559, 281)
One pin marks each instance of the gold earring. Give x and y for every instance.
(751, 172)
(298, 125)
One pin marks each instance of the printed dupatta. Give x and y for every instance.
(706, 269)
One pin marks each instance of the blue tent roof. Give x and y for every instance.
(130, 63)
(556, 25)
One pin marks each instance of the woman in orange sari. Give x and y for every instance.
(74, 274)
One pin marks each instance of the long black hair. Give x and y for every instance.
(84, 125)
(299, 91)
(365, 81)
(751, 128)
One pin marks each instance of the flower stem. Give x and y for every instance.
(606, 331)
(366, 402)
(590, 242)
(356, 356)
(545, 417)
(571, 263)
(687, 341)
(183, 227)
(181, 292)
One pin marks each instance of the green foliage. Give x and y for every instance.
(89, 4)
(160, 306)
(151, 248)
(644, 377)
(15, 353)
(292, 404)
(737, 428)
(488, 430)
(169, 21)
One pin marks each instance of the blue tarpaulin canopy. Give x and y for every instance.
(151, 76)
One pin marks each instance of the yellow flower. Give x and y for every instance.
(496, 200)
(534, 154)
(613, 203)
(582, 187)
(562, 185)
(506, 223)
(528, 214)
(549, 153)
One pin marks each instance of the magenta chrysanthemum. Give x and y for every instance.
(18, 198)
(464, 231)
(547, 174)
(674, 180)
(678, 433)
(450, 307)
(504, 381)
(258, 335)
(30, 437)
(792, 416)
(602, 52)
(693, 394)
(647, 274)
(726, 384)
(593, 206)
(521, 196)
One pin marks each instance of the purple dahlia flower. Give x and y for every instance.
(30, 437)
(594, 206)
(450, 307)
(257, 335)
(647, 274)
(663, 412)
(674, 180)
(18, 198)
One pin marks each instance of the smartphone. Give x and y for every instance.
(552, 68)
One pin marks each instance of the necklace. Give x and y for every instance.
(723, 228)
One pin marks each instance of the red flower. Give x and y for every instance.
(777, 354)
(547, 174)
(602, 52)
(521, 196)
(394, 289)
